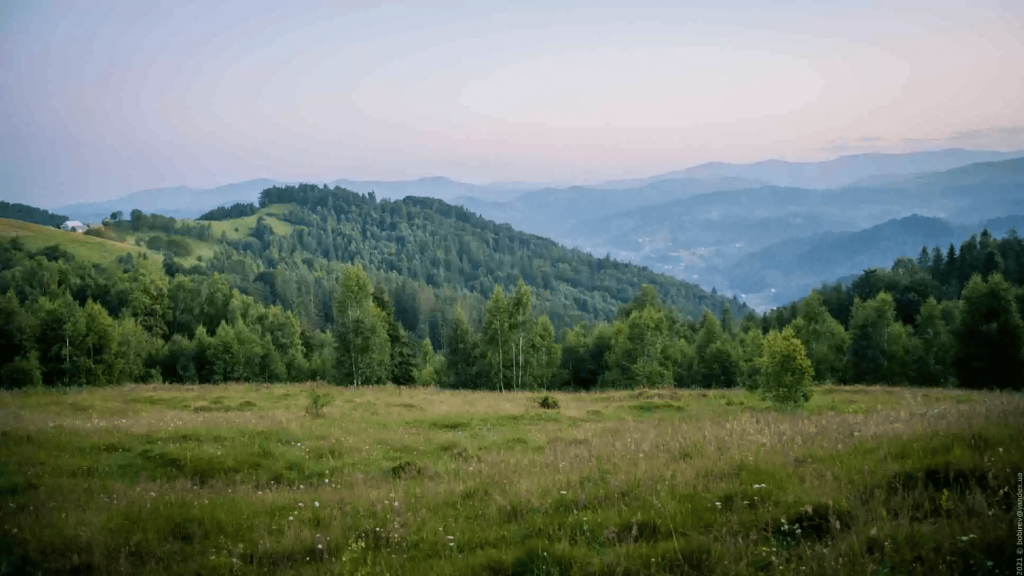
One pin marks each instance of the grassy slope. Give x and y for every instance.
(239, 228)
(236, 479)
(242, 227)
(101, 251)
(88, 248)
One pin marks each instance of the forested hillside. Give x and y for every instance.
(424, 251)
(845, 170)
(227, 292)
(551, 212)
(948, 317)
(26, 213)
(794, 266)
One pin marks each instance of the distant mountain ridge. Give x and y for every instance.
(190, 202)
(701, 237)
(438, 187)
(792, 267)
(177, 201)
(553, 211)
(841, 171)
(694, 224)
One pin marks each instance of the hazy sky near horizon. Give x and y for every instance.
(101, 98)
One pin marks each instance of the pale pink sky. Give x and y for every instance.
(101, 98)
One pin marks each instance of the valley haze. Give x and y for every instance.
(720, 225)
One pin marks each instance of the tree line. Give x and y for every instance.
(430, 256)
(236, 210)
(272, 308)
(947, 318)
(26, 213)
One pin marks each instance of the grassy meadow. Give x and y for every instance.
(87, 248)
(238, 479)
(239, 228)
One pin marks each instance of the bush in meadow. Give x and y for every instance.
(785, 370)
(548, 402)
(316, 402)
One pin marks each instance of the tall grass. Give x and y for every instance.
(237, 479)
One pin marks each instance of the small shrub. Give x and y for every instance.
(785, 370)
(317, 401)
(99, 233)
(548, 402)
(406, 469)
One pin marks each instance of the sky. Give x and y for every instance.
(101, 98)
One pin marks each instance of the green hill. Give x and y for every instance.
(85, 247)
(238, 228)
(418, 244)
(429, 256)
(27, 213)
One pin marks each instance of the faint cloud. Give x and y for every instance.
(861, 145)
(1000, 137)
(995, 138)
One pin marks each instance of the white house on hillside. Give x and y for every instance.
(74, 226)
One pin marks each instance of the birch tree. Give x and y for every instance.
(362, 348)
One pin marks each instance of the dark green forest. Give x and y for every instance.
(418, 292)
(236, 210)
(26, 213)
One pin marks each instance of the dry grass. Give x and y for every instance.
(237, 479)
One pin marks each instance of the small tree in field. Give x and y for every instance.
(316, 402)
(785, 370)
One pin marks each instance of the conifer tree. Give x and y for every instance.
(462, 357)
(934, 344)
(751, 344)
(879, 344)
(991, 336)
(717, 358)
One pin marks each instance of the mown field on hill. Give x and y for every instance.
(238, 479)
